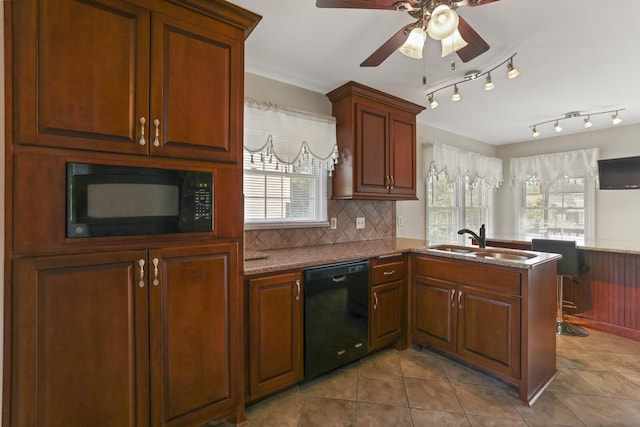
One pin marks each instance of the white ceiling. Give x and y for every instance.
(573, 55)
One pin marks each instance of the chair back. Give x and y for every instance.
(568, 265)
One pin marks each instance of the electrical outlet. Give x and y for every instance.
(334, 223)
(360, 222)
(400, 220)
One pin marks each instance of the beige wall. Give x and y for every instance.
(616, 210)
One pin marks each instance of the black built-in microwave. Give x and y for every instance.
(107, 200)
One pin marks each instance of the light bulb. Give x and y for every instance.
(488, 85)
(615, 119)
(432, 102)
(587, 122)
(535, 132)
(557, 127)
(456, 94)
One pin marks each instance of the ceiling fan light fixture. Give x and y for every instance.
(414, 44)
(615, 119)
(587, 122)
(456, 94)
(488, 84)
(443, 22)
(557, 127)
(535, 132)
(453, 43)
(512, 72)
(432, 102)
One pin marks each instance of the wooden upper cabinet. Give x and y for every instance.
(376, 135)
(89, 73)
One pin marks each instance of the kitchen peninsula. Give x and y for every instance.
(497, 305)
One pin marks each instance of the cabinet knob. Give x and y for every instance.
(156, 141)
(142, 141)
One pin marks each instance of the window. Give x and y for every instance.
(276, 195)
(455, 205)
(555, 211)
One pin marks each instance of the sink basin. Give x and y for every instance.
(452, 248)
(504, 255)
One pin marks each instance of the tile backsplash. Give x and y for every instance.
(380, 223)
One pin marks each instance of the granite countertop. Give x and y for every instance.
(602, 245)
(267, 261)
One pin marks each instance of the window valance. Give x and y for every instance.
(549, 168)
(285, 135)
(459, 163)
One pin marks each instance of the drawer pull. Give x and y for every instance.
(142, 140)
(156, 141)
(298, 286)
(141, 264)
(156, 261)
(341, 352)
(453, 295)
(375, 303)
(389, 273)
(459, 299)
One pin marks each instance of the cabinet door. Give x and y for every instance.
(275, 333)
(196, 95)
(372, 156)
(402, 154)
(489, 330)
(386, 314)
(80, 351)
(194, 332)
(434, 313)
(82, 74)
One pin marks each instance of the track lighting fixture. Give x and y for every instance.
(512, 72)
(432, 102)
(615, 119)
(557, 127)
(488, 85)
(470, 76)
(456, 94)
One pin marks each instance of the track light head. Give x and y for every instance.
(615, 119)
(587, 122)
(535, 132)
(456, 94)
(512, 72)
(557, 127)
(432, 102)
(488, 85)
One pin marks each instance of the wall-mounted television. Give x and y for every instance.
(619, 174)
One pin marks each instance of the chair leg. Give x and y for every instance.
(563, 328)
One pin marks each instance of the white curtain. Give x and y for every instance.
(549, 168)
(459, 163)
(288, 133)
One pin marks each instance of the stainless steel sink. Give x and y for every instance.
(507, 256)
(452, 248)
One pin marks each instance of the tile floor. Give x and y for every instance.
(598, 385)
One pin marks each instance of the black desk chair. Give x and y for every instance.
(568, 266)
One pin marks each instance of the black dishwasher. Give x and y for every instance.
(336, 316)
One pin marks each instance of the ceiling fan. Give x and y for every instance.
(437, 18)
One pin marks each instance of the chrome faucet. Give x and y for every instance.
(481, 239)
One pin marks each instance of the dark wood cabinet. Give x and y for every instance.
(128, 338)
(376, 135)
(387, 303)
(275, 333)
(497, 318)
(130, 77)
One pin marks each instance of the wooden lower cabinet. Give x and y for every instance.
(126, 338)
(498, 319)
(275, 334)
(387, 314)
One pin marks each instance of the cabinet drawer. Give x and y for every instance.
(468, 272)
(387, 272)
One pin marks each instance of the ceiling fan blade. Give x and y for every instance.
(476, 45)
(358, 4)
(473, 3)
(388, 47)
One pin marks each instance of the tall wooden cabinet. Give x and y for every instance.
(123, 330)
(376, 135)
